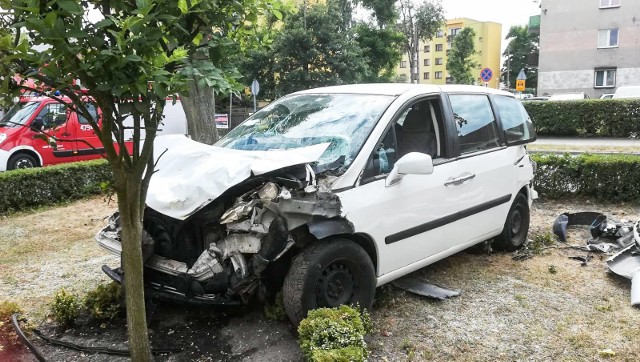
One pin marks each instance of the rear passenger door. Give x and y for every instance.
(486, 164)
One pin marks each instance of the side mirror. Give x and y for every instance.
(37, 124)
(413, 163)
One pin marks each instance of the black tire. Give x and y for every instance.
(21, 160)
(516, 227)
(328, 273)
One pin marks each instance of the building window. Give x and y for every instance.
(438, 75)
(438, 47)
(454, 31)
(608, 38)
(427, 48)
(438, 61)
(403, 64)
(605, 78)
(609, 4)
(427, 62)
(426, 75)
(439, 34)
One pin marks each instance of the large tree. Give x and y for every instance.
(460, 62)
(419, 24)
(130, 56)
(380, 39)
(311, 50)
(522, 44)
(226, 45)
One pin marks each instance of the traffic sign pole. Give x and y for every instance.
(486, 75)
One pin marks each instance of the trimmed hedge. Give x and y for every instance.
(36, 187)
(603, 177)
(593, 117)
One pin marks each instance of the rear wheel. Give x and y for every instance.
(516, 227)
(328, 274)
(21, 160)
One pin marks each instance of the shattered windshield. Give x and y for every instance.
(342, 120)
(19, 114)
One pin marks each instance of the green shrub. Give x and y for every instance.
(333, 334)
(275, 311)
(594, 117)
(8, 337)
(36, 187)
(103, 303)
(603, 177)
(65, 307)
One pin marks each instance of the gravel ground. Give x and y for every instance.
(544, 308)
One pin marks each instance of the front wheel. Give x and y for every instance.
(21, 160)
(516, 227)
(328, 274)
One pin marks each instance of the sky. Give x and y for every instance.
(505, 12)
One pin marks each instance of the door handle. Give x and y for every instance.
(459, 180)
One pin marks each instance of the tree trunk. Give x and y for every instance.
(129, 206)
(200, 107)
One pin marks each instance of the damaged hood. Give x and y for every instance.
(189, 175)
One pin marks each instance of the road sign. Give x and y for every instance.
(520, 85)
(255, 87)
(486, 74)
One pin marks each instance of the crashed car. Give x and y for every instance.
(328, 193)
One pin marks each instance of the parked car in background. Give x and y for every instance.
(327, 193)
(541, 98)
(606, 96)
(569, 96)
(20, 148)
(627, 92)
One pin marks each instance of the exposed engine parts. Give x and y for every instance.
(217, 256)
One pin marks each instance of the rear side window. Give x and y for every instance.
(515, 120)
(92, 110)
(476, 124)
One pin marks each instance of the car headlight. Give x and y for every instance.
(3, 136)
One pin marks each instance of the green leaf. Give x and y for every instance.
(277, 14)
(182, 5)
(197, 39)
(70, 6)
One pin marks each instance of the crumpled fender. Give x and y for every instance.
(323, 228)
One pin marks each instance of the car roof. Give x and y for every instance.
(396, 89)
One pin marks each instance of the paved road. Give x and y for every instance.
(586, 142)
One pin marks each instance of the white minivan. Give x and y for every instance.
(328, 193)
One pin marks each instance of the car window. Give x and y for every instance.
(344, 121)
(92, 110)
(53, 115)
(515, 120)
(418, 128)
(475, 122)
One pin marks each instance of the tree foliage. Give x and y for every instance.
(131, 56)
(310, 51)
(419, 23)
(459, 62)
(522, 44)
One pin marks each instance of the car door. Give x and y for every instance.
(420, 216)
(87, 145)
(53, 120)
(485, 159)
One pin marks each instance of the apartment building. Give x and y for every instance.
(589, 46)
(432, 55)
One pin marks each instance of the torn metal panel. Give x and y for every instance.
(416, 286)
(626, 263)
(300, 210)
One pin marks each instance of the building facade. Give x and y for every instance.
(589, 46)
(432, 55)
